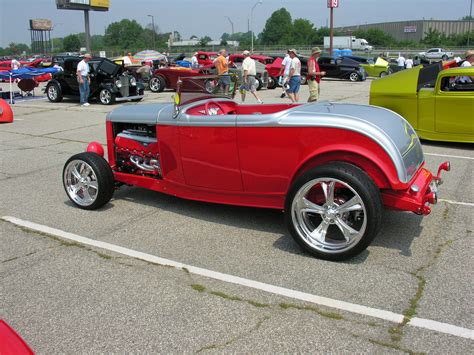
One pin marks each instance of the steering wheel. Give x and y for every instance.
(208, 111)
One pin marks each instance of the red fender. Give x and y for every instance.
(6, 113)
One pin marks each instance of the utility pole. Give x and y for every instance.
(153, 25)
(88, 32)
(331, 4)
(231, 23)
(469, 27)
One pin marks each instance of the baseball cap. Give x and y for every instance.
(246, 52)
(87, 55)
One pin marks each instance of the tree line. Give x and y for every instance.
(280, 29)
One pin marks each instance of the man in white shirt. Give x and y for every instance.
(466, 64)
(285, 70)
(250, 83)
(401, 62)
(409, 63)
(15, 64)
(83, 79)
(194, 61)
(294, 77)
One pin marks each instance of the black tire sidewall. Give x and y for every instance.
(112, 97)
(161, 83)
(104, 174)
(58, 90)
(362, 184)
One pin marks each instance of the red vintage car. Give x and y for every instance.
(167, 77)
(239, 58)
(332, 168)
(206, 58)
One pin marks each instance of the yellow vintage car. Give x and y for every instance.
(432, 100)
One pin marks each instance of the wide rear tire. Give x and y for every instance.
(88, 180)
(334, 211)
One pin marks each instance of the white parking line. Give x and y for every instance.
(449, 156)
(471, 204)
(302, 296)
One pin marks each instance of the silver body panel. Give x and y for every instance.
(387, 128)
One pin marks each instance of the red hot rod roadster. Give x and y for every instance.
(332, 168)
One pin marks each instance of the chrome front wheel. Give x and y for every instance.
(88, 180)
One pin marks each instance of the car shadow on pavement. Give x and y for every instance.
(398, 231)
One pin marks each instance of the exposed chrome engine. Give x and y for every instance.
(137, 152)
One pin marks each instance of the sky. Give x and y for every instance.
(208, 17)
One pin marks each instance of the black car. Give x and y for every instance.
(342, 68)
(110, 82)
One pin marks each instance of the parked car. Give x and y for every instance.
(206, 58)
(332, 168)
(167, 77)
(436, 53)
(378, 68)
(110, 82)
(342, 68)
(432, 100)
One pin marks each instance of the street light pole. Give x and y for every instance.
(231, 23)
(153, 25)
(251, 21)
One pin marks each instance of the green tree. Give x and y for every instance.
(125, 34)
(223, 42)
(71, 43)
(434, 38)
(304, 32)
(203, 41)
(278, 28)
(375, 37)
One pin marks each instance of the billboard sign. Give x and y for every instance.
(409, 29)
(97, 5)
(41, 24)
(333, 3)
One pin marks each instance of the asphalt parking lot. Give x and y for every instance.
(230, 279)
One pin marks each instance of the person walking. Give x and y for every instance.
(409, 62)
(294, 77)
(84, 79)
(314, 75)
(285, 70)
(222, 66)
(250, 83)
(400, 62)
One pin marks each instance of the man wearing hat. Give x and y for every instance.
(248, 77)
(294, 76)
(314, 75)
(468, 63)
(83, 79)
(194, 60)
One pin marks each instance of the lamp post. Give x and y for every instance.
(153, 25)
(231, 23)
(251, 22)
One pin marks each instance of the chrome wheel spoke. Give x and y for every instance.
(319, 234)
(310, 207)
(328, 189)
(354, 204)
(93, 184)
(348, 232)
(76, 173)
